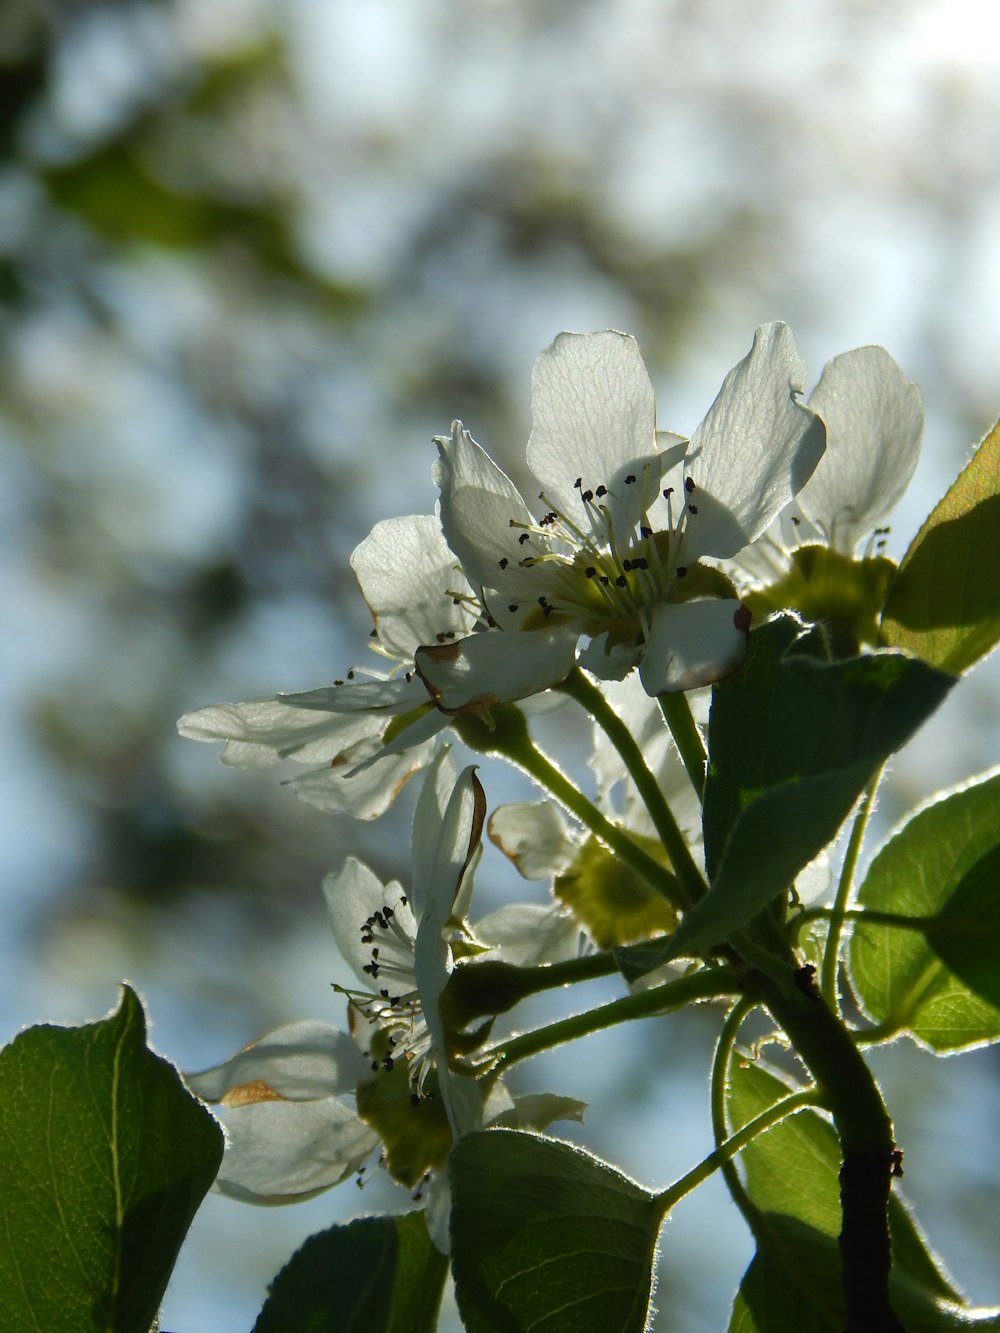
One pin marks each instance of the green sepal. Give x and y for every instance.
(399, 723)
(616, 905)
(502, 730)
(825, 587)
(373, 1275)
(414, 1129)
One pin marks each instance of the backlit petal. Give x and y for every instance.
(478, 505)
(694, 643)
(485, 670)
(874, 420)
(281, 1151)
(408, 575)
(592, 417)
(299, 1061)
(754, 451)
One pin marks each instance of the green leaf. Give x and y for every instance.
(793, 741)
(104, 1159)
(374, 1275)
(544, 1235)
(944, 602)
(966, 932)
(793, 1283)
(939, 984)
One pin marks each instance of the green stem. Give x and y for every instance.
(706, 984)
(678, 716)
(720, 1126)
(727, 1150)
(509, 737)
(494, 987)
(878, 1032)
(593, 701)
(831, 953)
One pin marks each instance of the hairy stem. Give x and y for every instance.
(678, 716)
(590, 698)
(720, 1126)
(494, 987)
(509, 737)
(727, 1149)
(706, 984)
(831, 953)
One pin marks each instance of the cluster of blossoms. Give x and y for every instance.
(643, 565)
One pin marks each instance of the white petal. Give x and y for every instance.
(874, 420)
(438, 1212)
(438, 872)
(299, 1061)
(694, 643)
(537, 1110)
(424, 727)
(280, 1151)
(496, 667)
(265, 731)
(444, 843)
(478, 505)
(609, 661)
(535, 836)
(755, 450)
(409, 580)
(435, 793)
(814, 880)
(465, 1097)
(354, 893)
(390, 697)
(349, 787)
(432, 965)
(530, 934)
(593, 417)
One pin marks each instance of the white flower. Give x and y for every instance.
(615, 557)
(399, 945)
(291, 1130)
(822, 556)
(874, 422)
(289, 1133)
(415, 594)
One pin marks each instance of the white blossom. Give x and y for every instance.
(616, 556)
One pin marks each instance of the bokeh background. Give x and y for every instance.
(253, 255)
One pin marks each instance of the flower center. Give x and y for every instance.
(394, 1008)
(603, 571)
